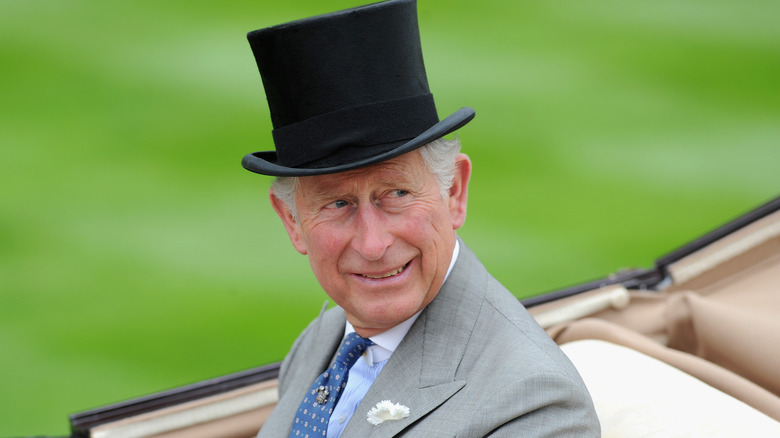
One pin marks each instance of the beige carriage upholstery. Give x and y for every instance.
(637, 396)
(717, 321)
(238, 413)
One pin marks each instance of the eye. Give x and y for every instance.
(338, 204)
(396, 198)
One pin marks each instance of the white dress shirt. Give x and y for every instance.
(367, 368)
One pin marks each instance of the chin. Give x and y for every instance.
(388, 316)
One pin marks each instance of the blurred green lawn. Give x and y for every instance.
(137, 255)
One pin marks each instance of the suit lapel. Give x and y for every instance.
(324, 342)
(431, 351)
(316, 353)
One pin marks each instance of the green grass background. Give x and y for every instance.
(137, 255)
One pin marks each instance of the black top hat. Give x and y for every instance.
(346, 90)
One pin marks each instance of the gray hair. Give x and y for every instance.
(438, 156)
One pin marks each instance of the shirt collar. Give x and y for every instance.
(386, 342)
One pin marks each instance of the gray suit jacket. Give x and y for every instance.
(474, 364)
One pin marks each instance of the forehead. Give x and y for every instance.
(407, 168)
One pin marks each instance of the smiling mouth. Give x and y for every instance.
(388, 274)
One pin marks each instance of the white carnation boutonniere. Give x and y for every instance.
(387, 410)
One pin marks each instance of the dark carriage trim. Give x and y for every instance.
(81, 423)
(719, 233)
(650, 279)
(631, 279)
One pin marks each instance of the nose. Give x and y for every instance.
(371, 237)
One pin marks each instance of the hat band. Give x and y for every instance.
(313, 139)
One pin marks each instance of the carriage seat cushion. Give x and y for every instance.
(636, 395)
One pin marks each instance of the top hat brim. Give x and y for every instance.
(265, 162)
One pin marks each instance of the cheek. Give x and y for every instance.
(321, 237)
(429, 224)
(325, 246)
(434, 236)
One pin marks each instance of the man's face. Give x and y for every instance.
(379, 239)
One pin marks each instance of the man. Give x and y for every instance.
(424, 342)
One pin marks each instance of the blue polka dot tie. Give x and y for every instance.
(313, 414)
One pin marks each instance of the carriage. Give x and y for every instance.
(687, 347)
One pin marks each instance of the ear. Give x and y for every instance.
(290, 224)
(459, 191)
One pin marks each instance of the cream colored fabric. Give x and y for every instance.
(234, 414)
(742, 335)
(708, 372)
(722, 325)
(638, 396)
(729, 313)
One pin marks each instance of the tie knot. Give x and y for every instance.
(352, 347)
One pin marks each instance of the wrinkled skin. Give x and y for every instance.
(379, 239)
